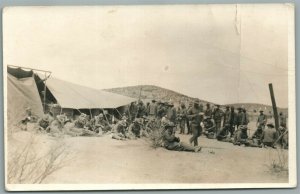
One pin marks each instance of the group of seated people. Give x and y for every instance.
(262, 137)
(97, 126)
(142, 127)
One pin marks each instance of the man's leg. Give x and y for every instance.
(187, 147)
(195, 131)
(188, 126)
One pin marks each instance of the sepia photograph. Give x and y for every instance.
(195, 96)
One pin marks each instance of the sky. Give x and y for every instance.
(219, 53)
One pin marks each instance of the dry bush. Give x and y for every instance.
(278, 161)
(26, 166)
(156, 138)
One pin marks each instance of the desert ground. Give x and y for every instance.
(95, 160)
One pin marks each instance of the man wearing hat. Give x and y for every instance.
(240, 117)
(188, 122)
(209, 127)
(101, 124)
(152, 109)
(282, 120)
(218, 115)
(133, 111)
(141, 109)
(232, 121)
(171, 142)
(119, 130)
(181, 117)
(241, 136)
(161, 110)
(135, 128)
(261, 120)
(269, 135)
(171, 112)
(195, 118)
(226, 116)
(208, 111)
(44, 122)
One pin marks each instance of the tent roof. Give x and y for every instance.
(70, 95)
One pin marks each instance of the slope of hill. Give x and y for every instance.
(148, 92)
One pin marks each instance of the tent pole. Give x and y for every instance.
(29, 68)
(104, 115)
(60, 110)
(91, 113)
(118, 112)
(45, 93)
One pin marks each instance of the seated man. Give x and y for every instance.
(135, 128)
(119, 130)
(241, 136)
(101, 125)
(284, 141)
(44, 122)
(223, 134)
(29, 118)
(173, 143)
(255, 140)
(209, 127)
(269, 136)
(56, 126)
(81, 121)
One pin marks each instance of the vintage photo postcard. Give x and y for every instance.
(149, 97)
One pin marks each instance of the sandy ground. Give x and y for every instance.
(105, 160)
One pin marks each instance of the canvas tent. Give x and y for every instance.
(22, 92)
(70, 95)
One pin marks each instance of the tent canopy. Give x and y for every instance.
(22, 93)
(70, 95)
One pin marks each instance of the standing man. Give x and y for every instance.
(208, 112)
(181, 117)
(232, 121)
(226, 116)
(246, 121)
(218, 114)
(133, 111)
(194, 116)
(226, 121)
(282, 120)
(141, 109)
(188, 122)
(152, 109)
(261, 120)
(240, 117)
(171, 112)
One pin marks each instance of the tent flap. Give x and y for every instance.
(22, 93)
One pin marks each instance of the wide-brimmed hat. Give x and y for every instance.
(243, 127)
(46, 118)
(123, 123)
(261, 111)
(197, 101)
(270, 125)
(170, 124)
(101, 115)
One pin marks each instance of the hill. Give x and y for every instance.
(253, 107)
(148, 92)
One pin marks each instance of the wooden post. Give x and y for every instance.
(274, 106)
